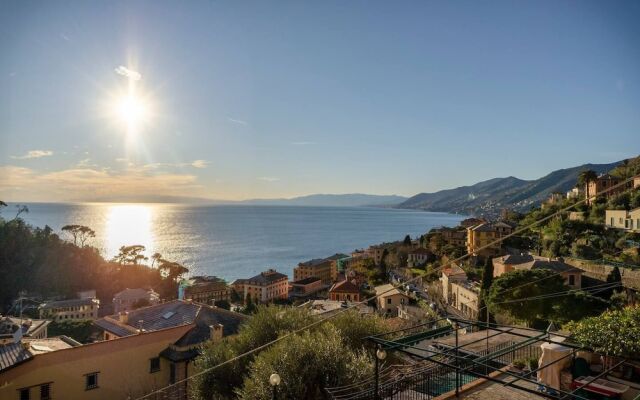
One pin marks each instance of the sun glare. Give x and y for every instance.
(133, 111)
(129, 224)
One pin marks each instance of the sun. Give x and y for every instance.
(133, 111)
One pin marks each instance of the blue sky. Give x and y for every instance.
(278, 99)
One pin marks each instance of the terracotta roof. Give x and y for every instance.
(344, 287)
(172, 314)
(454, 270)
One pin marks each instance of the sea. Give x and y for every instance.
(232, 241)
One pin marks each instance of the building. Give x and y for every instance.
(31, 328)
(389, 298)
(481, 239)
(554, 198)
(454, 237)
(344, 291)
(130, 299)
(306, 287)
(116, 369)
(195, 323)
(471, 222)
(206, 289)
(622, 219)
(339, 262)
(321, 268)
(571, 274)
(376, 252)
(70, 310)
(449, 276)
(507, 263)
(418, 257)
(264, 287)
(603, 182)
(414, 314)
(464, 297)
(575, 193)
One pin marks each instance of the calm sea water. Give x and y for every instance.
(237, 241)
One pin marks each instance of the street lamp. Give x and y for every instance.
(381, 354)
(274, 380)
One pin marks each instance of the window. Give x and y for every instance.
(172, 373)
(45, 392)
(24, 394)
(388, 301)
(572, 280)
(154, 364)
(91, 381)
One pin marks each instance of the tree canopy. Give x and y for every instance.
(335, 349)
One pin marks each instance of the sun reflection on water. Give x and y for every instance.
(129, 224)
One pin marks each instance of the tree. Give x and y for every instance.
(130, 255)
(585, 177)
(80, 233)
(335, 349)
(510, 294)
(334, 364)
(21, 209)
(613, 333)
(155, 258)
(172, 270)
(614, 276)
(487, 280)
(407, 241)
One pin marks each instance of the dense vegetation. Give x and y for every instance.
(335, 349)
(40, 262)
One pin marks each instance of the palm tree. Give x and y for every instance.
(585, 178)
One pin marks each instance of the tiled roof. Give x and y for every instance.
(8, 325)
(172, 314)
(69, 303)
(551, 265)
(306, 281)
(454, 270)
(513, 259)
(313, 263)
(12, 354)
(344, 287)
(484, 227)
(134, 293)
(337, 256)
(387, 290)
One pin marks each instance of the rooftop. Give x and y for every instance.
(337, 256)
(172, 314)
(344, 287)
(264, 278)
(69, 303)
(134, 293)
(306, 281)
(12, 354)
(387, 290)
(8, 325)
(512, 259)
(314, 262)
(551, 265)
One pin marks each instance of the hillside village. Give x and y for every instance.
(507, 278)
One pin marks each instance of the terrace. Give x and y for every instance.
(454, 358)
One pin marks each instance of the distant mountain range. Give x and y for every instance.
(489, 197)
(317, 200)
(486, 198)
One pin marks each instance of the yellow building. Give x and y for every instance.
(622, 219)
(389, 298)
(207, 290)
(572, 275)
(481, 239)
(70, 310)
(321, 268)
(265, 287)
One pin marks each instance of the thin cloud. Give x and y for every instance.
(269, 178)
(238, 121)
(129, 73)
(303, 143)
(200, 164)
(34, 154)
(65, 37)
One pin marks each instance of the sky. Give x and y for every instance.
(257, 99)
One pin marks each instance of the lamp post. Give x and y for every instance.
(274, 380)
(381, 354)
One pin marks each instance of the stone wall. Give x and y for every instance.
(596, 270)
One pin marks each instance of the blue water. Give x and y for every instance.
(237, 241)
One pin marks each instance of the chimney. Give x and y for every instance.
(215, 332)
(124, 317)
